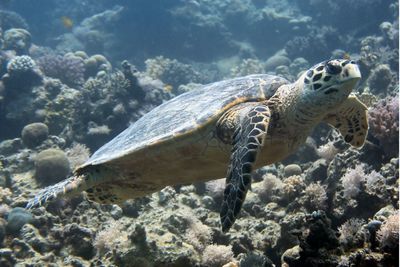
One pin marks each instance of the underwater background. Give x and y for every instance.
(76, 73)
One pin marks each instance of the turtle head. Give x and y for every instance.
(330, 82)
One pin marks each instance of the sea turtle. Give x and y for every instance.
(223, 129)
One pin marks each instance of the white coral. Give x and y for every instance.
(352, 181)
(388, 234)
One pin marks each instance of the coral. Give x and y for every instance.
(374, 52)
(316, 44)
(4, 209)
(77, 154)
(384, 124)
(3, 224)
(315, 197)
(215, 189)
(5, 194)
(248, 66)
(34, 134)
(252, 259)
(18, 40)
(94, 64)
(390, 31)
(327, 151)
(22, 74)
(198, 235)
(79, 239)
(17, 218)
(298, 65)
(292, 169)
(112, 237)
(275, 61)
(216, 255)
(315, 243)
(94, 129)
(130, 73)
(352, 234)
(388, 234)
(10, 19)
(373, 178)
(51, 166)
(171, 71)
(292, 187)
(69, 68)
(352, 181)
(20, 65)
(269, 187)
(380, 79)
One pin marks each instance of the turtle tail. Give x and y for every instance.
(68, 187)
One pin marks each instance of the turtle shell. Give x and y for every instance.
(186, 113)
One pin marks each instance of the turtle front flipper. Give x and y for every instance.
(351, 120)
(248, 138)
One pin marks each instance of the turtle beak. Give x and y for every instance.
(351, 71)
(350, 76)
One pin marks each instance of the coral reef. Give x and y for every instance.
(22, 74)
(171, 71)
(248, 66)
(85, 70)
(384, 124)
(69, 68)
(314, 45)
(18, 40)
(16, 219)
(34, 134)
(10, 19)
(380, 79)
(51, 166)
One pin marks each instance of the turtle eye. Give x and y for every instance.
(332, 68)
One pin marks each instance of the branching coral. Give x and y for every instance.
(352, 181)
(327, 151)
(77, 154)
(215, 188)
(270, 185)
(293, 186)
(384, 124)
(351, 233)
(388, 234)
(314, 197)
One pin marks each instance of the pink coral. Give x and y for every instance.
(384, 124)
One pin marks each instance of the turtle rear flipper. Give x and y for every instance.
(69, 186)
(248, 139)
(351, 121)
(91, 176)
